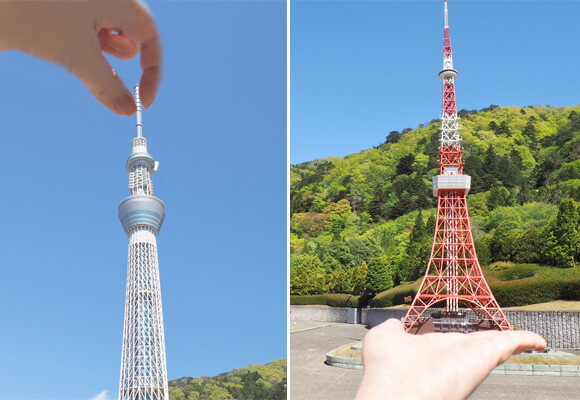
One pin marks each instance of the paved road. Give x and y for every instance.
(528, 388)
(311, 379)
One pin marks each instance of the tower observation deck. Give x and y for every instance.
(143, 364)
(453, 276)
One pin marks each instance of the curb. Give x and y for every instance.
(311, 327)
(505, 369)
(343, 362)
(537, 370)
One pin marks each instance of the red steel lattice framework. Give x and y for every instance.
(453, 274)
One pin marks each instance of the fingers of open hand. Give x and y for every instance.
(496, 347)
(383, 342)
(151, 65)
(136, 24)
(513, 342)
(391, 324)
(96, 73)
(117, 44)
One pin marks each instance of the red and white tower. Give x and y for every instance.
(453, 274)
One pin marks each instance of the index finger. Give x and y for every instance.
(140, 27)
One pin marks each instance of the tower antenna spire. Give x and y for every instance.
(138, 104)
(446, 16)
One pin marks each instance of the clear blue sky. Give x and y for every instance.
(218, 128)
(360, 69)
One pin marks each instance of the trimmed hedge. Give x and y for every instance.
(533, 291)
(519, 271)
(329, 299)
(392, 297)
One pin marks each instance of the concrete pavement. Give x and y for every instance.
(311, 379)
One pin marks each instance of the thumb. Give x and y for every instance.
(95, 72)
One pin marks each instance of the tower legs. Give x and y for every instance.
(454, 276)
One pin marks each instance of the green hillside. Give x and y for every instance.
(259, 382)
(363, 223)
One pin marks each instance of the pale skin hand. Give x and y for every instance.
(445, 366)
(75, 33)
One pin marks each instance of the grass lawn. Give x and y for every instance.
(545, 360)
(347, 351)
(556, 305)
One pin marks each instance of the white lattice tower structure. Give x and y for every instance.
(449, 121)
(143, 365)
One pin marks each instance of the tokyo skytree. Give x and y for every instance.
(143, 366)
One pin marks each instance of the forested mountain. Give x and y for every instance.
(259, 382)
(373, 212)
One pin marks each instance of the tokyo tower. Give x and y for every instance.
(143, 366)
(453, 274)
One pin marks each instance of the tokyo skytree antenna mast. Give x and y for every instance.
(143, 365)
(453, 275)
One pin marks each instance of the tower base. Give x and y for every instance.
(450, 321)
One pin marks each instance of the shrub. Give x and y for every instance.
(524, 292)
(393, 297)
(333, 300)
(500, 266)
(519, 271)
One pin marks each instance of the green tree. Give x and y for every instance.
(498, 197)
(418, 251)
(541, 174)
(563, 242)
(279, 391)
(379, 275)
(307, 275)
(318, 205)
(490, 169)
(340, 251)
(176, 394)
(360, 279)
(524, 195)
(530, 130)
(339, 208)
(215, 392)
(504, 243)
(339, 281)
(405, 165)
(393, 137)
(482, 248)
(365, 221)
(310, 224)
(504, 129)
(252, 388)
(376, 204)
(528, 247)
(430, 226)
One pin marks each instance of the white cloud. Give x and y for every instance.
(104, 395)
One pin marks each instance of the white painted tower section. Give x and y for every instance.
(143, 364)
(450, 127)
